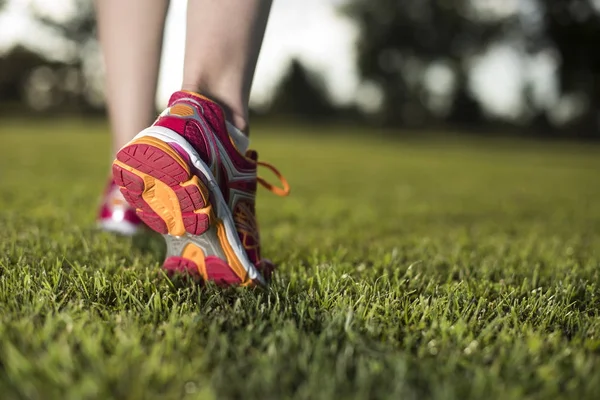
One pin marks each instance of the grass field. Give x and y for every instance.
(409, 269)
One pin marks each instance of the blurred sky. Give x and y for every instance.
(315, 32)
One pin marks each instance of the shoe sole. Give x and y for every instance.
(172, 200)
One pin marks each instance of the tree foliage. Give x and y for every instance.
(48, 81)
(572, 29)
(400, 39)
(302, 94)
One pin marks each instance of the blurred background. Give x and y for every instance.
(523, 67)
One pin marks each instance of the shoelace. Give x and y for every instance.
(283, 191)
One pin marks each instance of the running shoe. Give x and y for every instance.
(190, 178)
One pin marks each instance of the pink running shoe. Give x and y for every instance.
(188, 181)
(115, 215)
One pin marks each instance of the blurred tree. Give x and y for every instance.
(302, 94)
(30, 81)
(401, 39)
(77, 31)
(572, 29)
(64, 78)
(15, 66)
(77, 28)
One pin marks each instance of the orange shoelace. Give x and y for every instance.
(279, 191)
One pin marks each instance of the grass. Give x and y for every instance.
(409, 269)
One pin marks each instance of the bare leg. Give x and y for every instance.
(222, 45)
(131, 33)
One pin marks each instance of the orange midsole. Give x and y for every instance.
(234, 263)
(195, 253)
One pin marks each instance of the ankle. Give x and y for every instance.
(239, 121)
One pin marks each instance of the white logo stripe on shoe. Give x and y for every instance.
(235, 175)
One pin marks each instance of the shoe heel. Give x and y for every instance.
(157, 181)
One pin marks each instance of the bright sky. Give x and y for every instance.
(314, 32)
